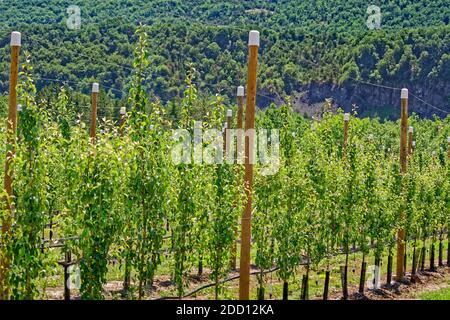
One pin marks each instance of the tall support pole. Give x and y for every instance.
(244, 280)
(95, 91)
(11, 126)
(410, 141)
(123, 112)
(240, 115)
(410, 153)
(403, 168)
(346, 122)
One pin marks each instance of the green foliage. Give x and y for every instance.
(302, 42)
(30, 198)
(123, 197)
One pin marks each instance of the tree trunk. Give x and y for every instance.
(389, 270)
(432, 265)
(344, 282)
(376, 283)
(200, 266)
(326, 286)
(285, 291)
(305, 281)
(423, 257)
(362, 278)
(414, 261)
(441, 253)
(448, 250)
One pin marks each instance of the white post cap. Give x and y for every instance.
(19, 107)
(404, 94)
(346, 116)
(253, 38)
(16, 39)
(123, 111)
(240, 91)
(414, 144)
(95, 88)
(411, 129)
(229, 113)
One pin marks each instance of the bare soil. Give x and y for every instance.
(426, 281)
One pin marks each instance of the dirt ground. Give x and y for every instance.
(426, 281)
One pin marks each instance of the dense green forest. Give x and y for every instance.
(303, 42)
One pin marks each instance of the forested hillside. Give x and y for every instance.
(308, 47)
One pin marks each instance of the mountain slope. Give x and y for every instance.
(304, 43)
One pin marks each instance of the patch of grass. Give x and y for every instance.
(442, 294)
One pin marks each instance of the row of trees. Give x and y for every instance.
(324, 202)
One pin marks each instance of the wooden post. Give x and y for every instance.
(95, 91)
(410, 153)
(410, 140)
(346, 121)
(240, 114)
(404, 167)
(10, 153)
(123, 112)
(244, 280)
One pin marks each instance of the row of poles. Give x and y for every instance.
(253, 45)
(406, 146)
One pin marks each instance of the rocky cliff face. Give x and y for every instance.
(374, 101)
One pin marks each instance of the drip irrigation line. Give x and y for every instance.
(305, 261)
(59, 242)
(209, 285)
